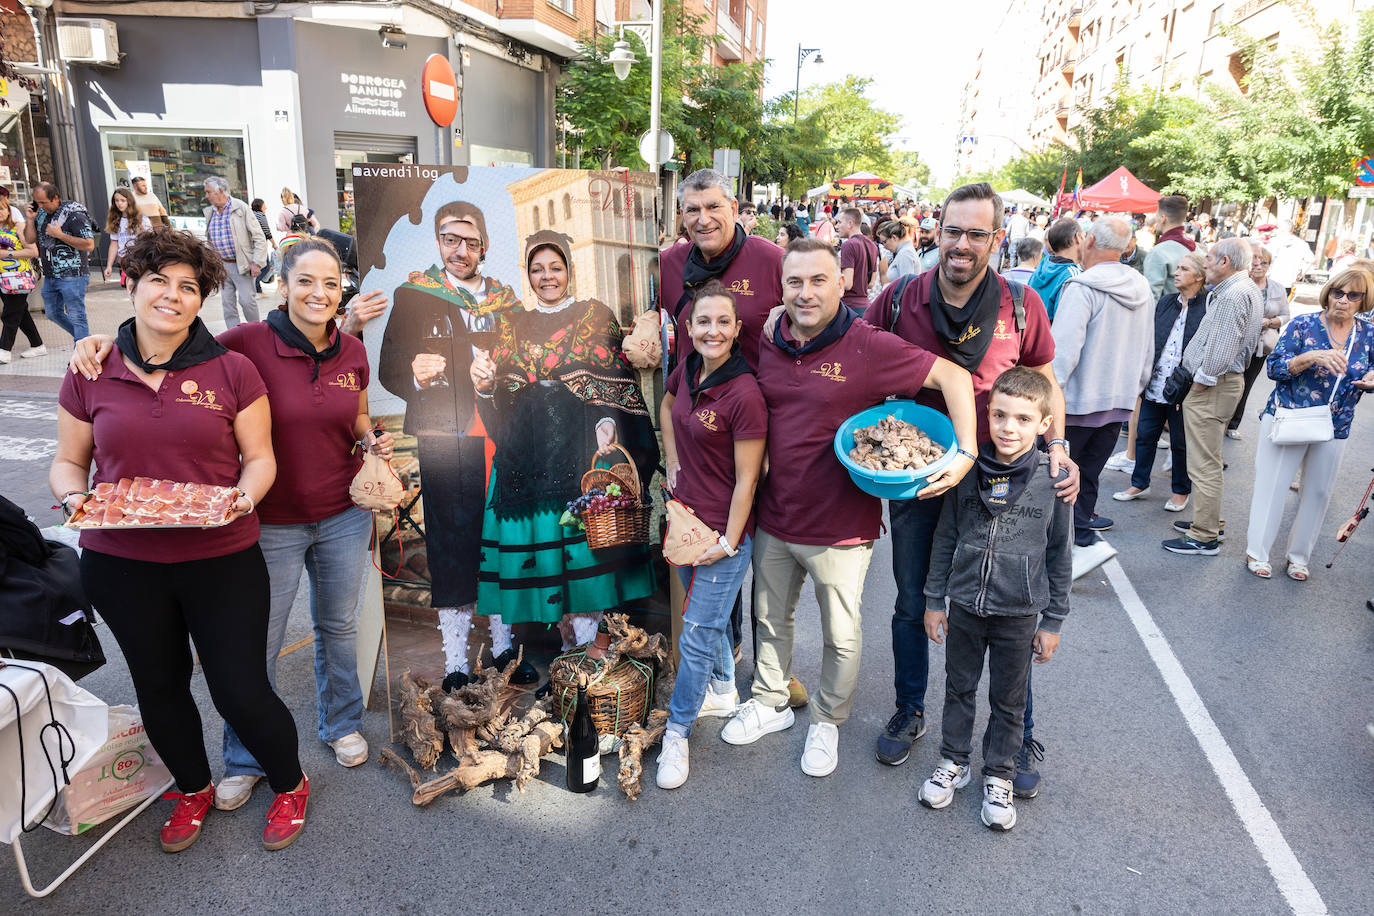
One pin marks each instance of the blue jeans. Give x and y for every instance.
(333, 553)
(64, 302)
(1147, 430)
(913, 533)
(705, 646)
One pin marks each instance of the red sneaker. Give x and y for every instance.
(183, 827)
(286, 817)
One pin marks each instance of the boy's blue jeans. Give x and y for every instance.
(706, 649)
(333, 552)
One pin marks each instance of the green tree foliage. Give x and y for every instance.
(854, 130)
(908, 169)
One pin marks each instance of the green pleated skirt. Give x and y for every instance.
(534, 570)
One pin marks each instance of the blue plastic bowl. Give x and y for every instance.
(896, 484)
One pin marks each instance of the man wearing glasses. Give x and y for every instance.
(967, 313)
(426, 353)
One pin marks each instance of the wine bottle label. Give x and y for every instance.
(591, 768)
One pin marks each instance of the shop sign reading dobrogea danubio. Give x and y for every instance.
(377, 96)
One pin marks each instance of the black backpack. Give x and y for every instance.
(46, 616)
(300, 223)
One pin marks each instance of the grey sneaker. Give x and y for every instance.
(999, 810)
(894, 745)
(938, 791)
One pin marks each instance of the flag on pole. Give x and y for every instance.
(1058, 198)
(1078, 189)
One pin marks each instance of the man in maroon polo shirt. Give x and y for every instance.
(748, 265)
(820, 366)
(859, 259)
(964, 310)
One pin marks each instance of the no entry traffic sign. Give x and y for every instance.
(439, 87)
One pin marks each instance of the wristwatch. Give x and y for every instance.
(1064, 442)
(724, 543)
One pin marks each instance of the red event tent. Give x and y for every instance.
(1119, 192)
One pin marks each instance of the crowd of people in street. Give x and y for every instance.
(1041, 340)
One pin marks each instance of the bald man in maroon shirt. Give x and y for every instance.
(819, 366)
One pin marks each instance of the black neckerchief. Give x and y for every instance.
(698, 270)
(734, 366)
(967, 332)
(281, 325)
(1000, 485)
(198, 347)
(833, 332)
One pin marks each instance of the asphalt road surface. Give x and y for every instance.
(1206, 752)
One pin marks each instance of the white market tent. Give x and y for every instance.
(1023, 198)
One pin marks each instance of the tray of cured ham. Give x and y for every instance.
(143, 502)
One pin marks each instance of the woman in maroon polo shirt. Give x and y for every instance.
(715, 424)
(316, 377)
(177, 405)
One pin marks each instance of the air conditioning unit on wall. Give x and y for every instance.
(88, 41)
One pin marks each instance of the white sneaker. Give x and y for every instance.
(822, 752)
(40, 350)
(1121, 462)
(233, 791)
(5, 356)
(1086, 559)
(350, 750)
(672, 762)
(719, 705)
(999, 810)
(753, 720)
(938, 791)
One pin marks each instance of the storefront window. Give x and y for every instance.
(382, 149)
(179, 165)
(13, 170)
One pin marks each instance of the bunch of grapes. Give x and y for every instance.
(597, 500)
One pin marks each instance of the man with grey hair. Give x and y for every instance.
(1026, 255)
(748, 265)
(233, 231)
(1103, 355)
(1216, 358)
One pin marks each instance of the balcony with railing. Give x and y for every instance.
(729, 34)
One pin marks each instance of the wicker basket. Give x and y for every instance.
(616, 700)
(623, 525)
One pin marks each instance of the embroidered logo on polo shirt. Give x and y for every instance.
(707, 418)
(197, 397)
(1001, 333)
(972, 332)
(346, 380)
(831, 371)
(741, 288)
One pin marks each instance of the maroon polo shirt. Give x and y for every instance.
(312, 422)
(860, 253)
(705, 430)
(1034, 347)
(807, 496)
(754, 277)
(184, 431)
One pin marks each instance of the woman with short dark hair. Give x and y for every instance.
(177, 405)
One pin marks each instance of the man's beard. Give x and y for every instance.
(467, 271)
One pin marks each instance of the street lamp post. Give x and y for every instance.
(621, 58)
(802, 55)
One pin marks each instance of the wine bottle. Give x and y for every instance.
(581, 745)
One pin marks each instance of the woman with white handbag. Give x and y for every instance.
(1321, 366)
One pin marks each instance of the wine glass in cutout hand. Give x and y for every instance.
(439, 341)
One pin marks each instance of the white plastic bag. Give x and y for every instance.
(124, 772)
(84, 718)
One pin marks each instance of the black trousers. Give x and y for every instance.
(1006, 641)
(221, 603)
(1091, 447)
(453, 492)
(1252, 371)
(15, 317)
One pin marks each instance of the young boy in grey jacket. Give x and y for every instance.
(1002, 559)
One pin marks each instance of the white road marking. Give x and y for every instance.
(16, 448)
(1283, 865)
(27, 410)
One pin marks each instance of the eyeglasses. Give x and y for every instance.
(979, 238)
(1348, 295)
(449, 240)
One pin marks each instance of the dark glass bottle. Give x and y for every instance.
(581, 745)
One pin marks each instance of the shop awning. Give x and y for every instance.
(1119, 192)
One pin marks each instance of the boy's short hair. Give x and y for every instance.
(1023, 382)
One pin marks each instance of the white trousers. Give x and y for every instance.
(1275, 466)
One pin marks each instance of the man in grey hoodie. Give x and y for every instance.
(1103, 354)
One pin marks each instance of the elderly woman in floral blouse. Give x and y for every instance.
(1325, 358)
